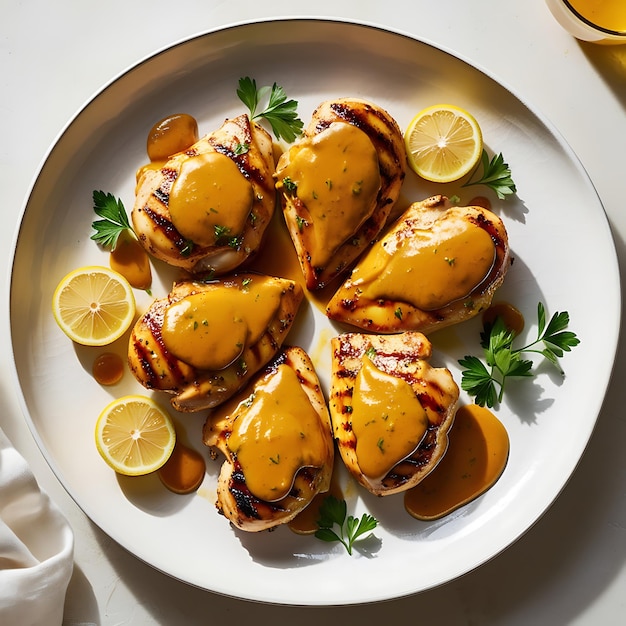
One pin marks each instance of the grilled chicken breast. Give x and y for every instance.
(390, 409)
(438, 265)
(204, 341)
(206, 209)
(277, 442)
(338, 184)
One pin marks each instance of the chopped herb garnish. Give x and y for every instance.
(334, 513)
(249, 400)
(241, 148)
(289, 185)
(301, 222)
(220, 231)
(187, 248)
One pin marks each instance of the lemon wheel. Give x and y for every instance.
(443, 143)
(93, 305)
(135, 435)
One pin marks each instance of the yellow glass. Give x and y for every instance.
(597, 21)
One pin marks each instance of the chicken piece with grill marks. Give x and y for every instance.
(277, 441)
(390, 409)
(206, 209)
(436, 266)
(338, 184)
(204, 341)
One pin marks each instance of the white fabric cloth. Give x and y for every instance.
(36, 547)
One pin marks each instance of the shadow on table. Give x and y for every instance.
(610, 62)
(88, 613)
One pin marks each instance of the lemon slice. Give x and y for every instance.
(443, 143)
(135, 435)
(93, 305)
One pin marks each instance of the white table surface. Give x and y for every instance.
(570, 567)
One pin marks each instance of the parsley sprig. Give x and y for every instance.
(114, 219)
(496, 175)
(334, 512)
(280, 113)
(486, 381)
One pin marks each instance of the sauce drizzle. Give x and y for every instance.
(477, 455)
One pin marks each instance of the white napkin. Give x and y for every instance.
(36, 547)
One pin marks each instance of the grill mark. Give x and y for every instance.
(162, 197)
(153, 321)
(242, 161)
(360, 117)
(251, 507)
(420, 458)
(162, 193)
(390, 361)
(142, 352)
(165, 226)
(482, 221)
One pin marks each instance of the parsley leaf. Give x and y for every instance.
(280, 113)
(334, 512)
(496, 175)
(485, 381)
(114, 221)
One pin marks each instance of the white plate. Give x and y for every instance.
(564, 256)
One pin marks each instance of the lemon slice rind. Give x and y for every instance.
(443, 143)
(93, 305)
(135, 435)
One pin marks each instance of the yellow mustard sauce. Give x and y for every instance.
(277, 256)
(476, 457)
(305, 523)
(170, 135)
(513, 318)
(153, 166)
(210, 200)
(130, 259)
(108, 368)
(430, 269)
(276, 433)
(210, 329)
(337, 176)
(388, 420)
(184, 471)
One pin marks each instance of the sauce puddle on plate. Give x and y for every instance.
(108, 368)
(477, 455)
(184, 471)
